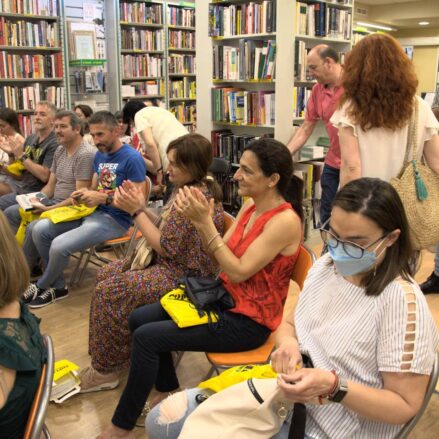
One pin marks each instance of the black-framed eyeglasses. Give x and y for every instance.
(350, 248)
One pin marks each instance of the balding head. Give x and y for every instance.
(323, 64)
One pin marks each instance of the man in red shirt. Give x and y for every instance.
(324, 66)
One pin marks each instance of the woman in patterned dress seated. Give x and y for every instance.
(178, 250)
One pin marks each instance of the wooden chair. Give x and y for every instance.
(410, 425)
(261, 355)
(122, 247)
(35, 424)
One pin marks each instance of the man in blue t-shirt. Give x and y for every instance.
(56, 242)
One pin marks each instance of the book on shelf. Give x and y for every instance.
(319, 19)
(241, 19)
(35, 66)
(26, 33)
(25, 98)
(181, 39)
(235, 105)
(184, 112)
(145, 65)
(181, 63)
(182, 88)
(140, 12)
(142, 39)
(178, 16)
(35, 7)
(300, 98)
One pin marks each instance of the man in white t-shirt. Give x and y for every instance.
(156, 127)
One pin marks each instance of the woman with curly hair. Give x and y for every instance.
(374, 113)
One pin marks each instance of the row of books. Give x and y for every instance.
(181, 16)
(84, 81)
(300, 98)
(241, 19)
(251, 60)
(181, 39)
(142, 39)
(182, 88)
(310, 172)
(25, 122)
(323, 20)
(34, 7)
(229, 146)
(145, 88)
(140, 12)
(142, 65)
(179, 63)
(184, 112)
(26, 33)
(25, 98)
(243, 107)
(30, 66)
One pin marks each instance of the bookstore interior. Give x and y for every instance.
(231, 70)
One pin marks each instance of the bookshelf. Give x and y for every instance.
(32, 61)
(238, 29)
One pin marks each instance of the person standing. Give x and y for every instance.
(324, 66)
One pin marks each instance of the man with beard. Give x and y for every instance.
(35, 154)
(56, 242)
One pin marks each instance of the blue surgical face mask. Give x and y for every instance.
(347, 265)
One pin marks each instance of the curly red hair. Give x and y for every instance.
(379, 82)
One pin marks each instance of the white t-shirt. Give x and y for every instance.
(165, 128)
(382, 150)
(359, 336)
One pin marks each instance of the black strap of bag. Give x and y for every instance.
(298, 422)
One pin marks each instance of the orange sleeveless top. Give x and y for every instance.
(262, 296)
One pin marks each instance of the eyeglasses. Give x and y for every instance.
(350, 248)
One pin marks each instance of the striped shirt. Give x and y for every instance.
(70, 169)
(360, 336)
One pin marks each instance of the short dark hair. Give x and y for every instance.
(130, 109)
(105, 117)
(87, 111)
(275, 158)
(75, 120)
(193, 152)
(11, 117)
(378, 201)
(329, 52)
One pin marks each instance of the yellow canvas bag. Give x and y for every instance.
(68, 213)
(26, 219)
(16, 168)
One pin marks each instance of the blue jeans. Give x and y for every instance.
(8, 200)
(155, 336)
(329, 181)
(56, 242)
(156, 430)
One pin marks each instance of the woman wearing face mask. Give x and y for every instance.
(362, 322)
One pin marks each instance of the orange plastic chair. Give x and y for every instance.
(117, 246)
(261, 355)
(35, 424)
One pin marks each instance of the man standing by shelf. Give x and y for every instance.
(35, 154)
(157, 128)
(324, 66)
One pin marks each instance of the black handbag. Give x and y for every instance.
(207, 295)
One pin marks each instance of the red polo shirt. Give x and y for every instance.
(320, 106)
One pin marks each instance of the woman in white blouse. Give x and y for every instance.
(362, 322)
(374, 113)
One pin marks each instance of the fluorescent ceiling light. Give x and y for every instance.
(424, 23)
(374, 26)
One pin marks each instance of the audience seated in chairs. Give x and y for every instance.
(178, 250)
(21, 345)
(56, 242)
(256, 256)
(362, 322)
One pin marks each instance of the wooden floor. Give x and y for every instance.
(83, 416)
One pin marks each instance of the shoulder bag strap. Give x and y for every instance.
(410, 149)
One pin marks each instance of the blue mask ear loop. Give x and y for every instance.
(377, 256)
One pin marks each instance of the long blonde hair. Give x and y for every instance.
(14, 271)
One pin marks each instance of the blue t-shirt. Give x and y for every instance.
(112, 169)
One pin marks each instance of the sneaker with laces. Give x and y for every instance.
(49, 296)
(94, 381)
(31, 293)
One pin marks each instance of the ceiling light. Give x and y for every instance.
(424, 23)
(375, 26)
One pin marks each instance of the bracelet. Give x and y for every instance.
(137, 213)
(221, 244)
(333, 388)
(211, 240)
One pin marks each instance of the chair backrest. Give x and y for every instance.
(38, 410)
(303, 263)
(410, 425)
(228, 221)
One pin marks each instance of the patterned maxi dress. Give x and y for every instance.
(120, 290)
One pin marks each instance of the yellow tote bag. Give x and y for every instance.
(26, 219)
(16, 168)
(68, 213)
(182, 310)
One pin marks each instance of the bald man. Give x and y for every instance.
(324, 66)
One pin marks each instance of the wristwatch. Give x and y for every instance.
(109, 200)
(340, 392)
